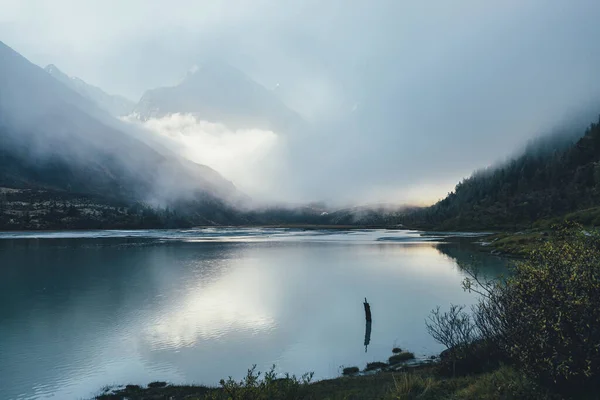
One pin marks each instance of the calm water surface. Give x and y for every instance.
(81, 310)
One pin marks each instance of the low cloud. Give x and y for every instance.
(405, 97)
(250, 158)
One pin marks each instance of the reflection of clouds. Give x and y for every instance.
(211, 311)
(198, 312)
(418, 260)
(69, 332)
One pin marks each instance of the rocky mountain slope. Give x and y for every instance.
(116, 105)
(54, 139)
(217, 92)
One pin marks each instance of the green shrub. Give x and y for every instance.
(375, 365)
(400, 357)
(268, 388)
(553, 304)
(504, 383)
(396, 350)
(350, 370)
(454, 329)
(546, 315)
(477, 357)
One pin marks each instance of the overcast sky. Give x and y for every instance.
(408, 97)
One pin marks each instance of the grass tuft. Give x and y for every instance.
(410, 386)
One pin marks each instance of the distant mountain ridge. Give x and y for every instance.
(116, 105)
(217, 92)
(67, 162)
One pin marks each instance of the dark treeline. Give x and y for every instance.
(553, 177)
(28, 209)
(46, 209)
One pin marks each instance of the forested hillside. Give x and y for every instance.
(552, 178)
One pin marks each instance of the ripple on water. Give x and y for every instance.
(83, 310)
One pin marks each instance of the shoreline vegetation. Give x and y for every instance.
(533, 335)
(406, 379)
(375, 380)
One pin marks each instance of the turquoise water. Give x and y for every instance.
(81, 310)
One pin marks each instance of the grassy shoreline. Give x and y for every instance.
(417, 382)
(358, 387)
(374, 379)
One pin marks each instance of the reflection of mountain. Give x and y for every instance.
(69, 306)
(186, 311)
(217, 92)
(469, 257)
(367, 334)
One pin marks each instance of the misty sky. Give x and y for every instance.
(406, 97)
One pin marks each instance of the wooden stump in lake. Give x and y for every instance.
(368, 324)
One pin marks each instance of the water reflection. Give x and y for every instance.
(367, 334)
(469, 257)
(208, 309)
(77, 314)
